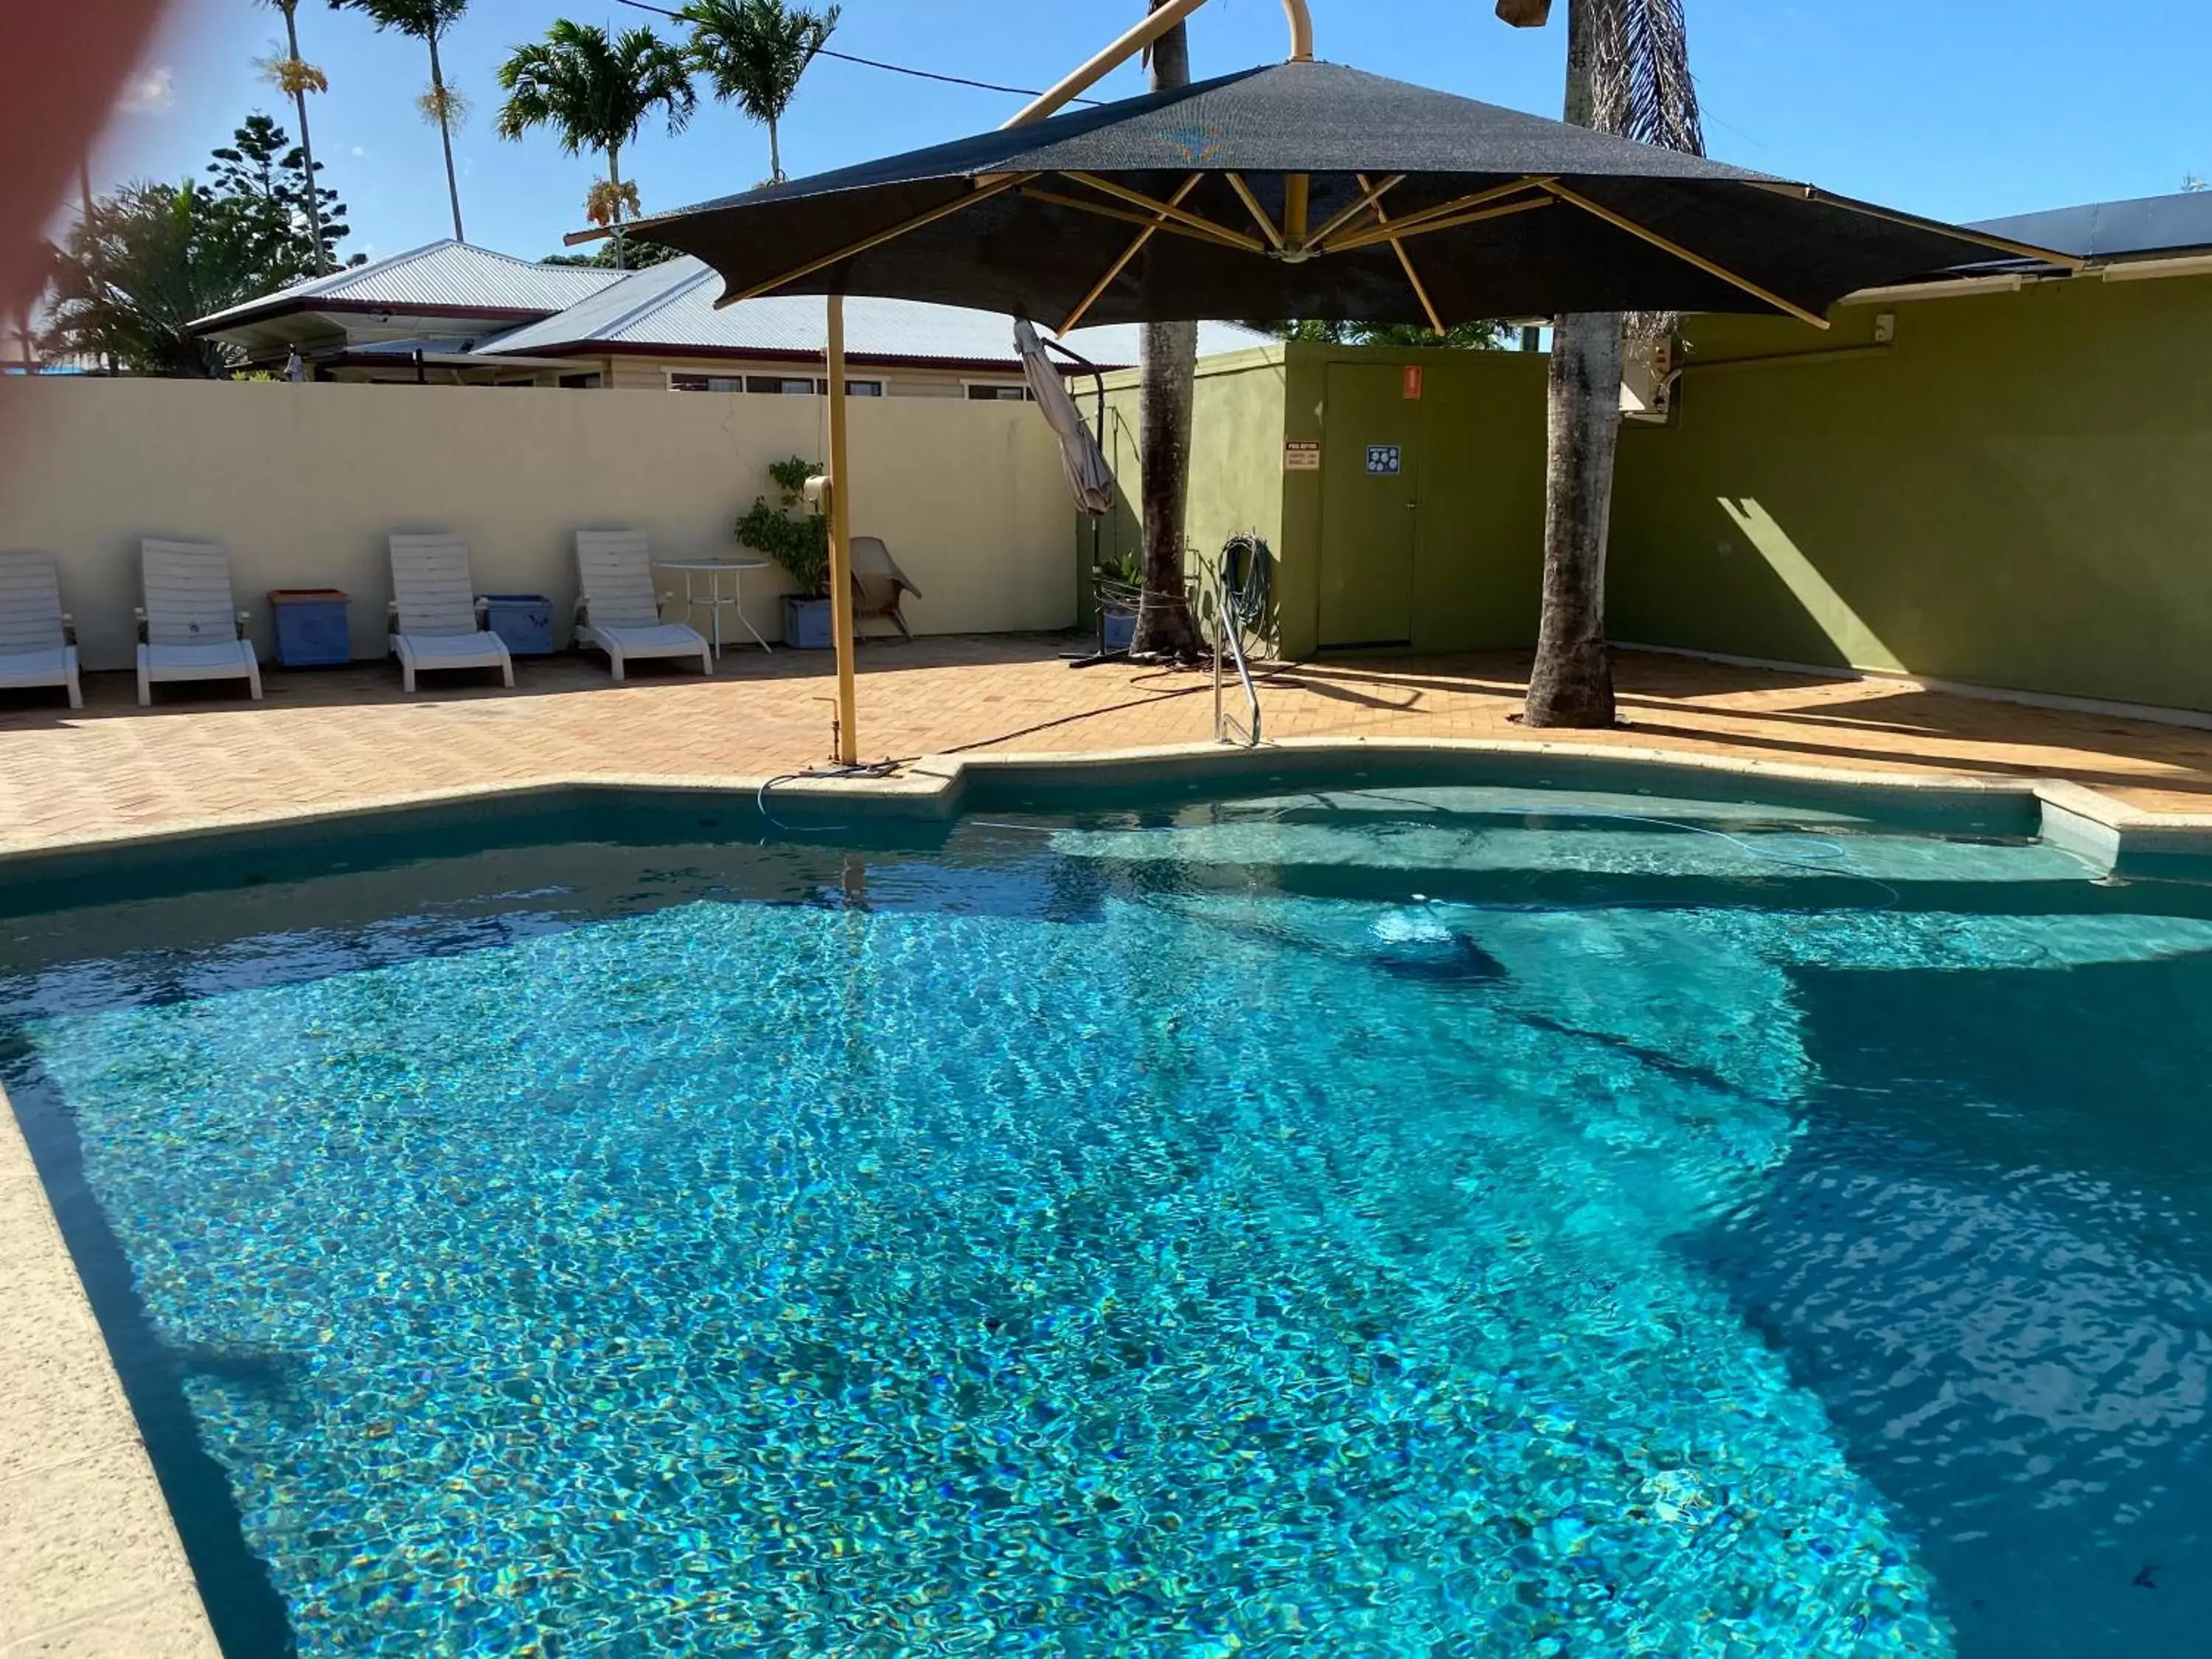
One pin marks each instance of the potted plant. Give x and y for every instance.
(1119, 583)
(798, 539)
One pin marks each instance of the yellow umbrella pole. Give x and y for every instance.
(841, 542)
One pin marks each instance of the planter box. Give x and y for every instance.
(806, 624)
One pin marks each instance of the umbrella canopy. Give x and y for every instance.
(1089, 478)
(1312, 189)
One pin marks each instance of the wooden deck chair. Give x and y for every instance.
(38, 641)
(189, 629)
(436, 619)
(618, 611)
(878, 585)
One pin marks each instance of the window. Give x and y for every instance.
(580, 382)
(994, 392)
(769, 386)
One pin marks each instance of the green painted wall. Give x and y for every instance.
(2016, 493)
(1236, 461)
(1478, 557)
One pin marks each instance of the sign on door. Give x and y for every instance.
(1383, 460)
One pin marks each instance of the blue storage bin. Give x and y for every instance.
(806, 623)
(310, 626)
(523, 621)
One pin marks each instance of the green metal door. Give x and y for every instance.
(1369, 498)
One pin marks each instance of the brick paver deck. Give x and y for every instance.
(349, 738)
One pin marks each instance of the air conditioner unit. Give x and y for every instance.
(1647, 381)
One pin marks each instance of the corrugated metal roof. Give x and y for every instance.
(2116, 230)
(672, 307)
(446, 273)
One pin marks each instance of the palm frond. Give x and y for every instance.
(754, 52)
(420, 19)
(1641, 77)
(592, 90)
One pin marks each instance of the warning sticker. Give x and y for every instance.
(1301, 457)
(1383, 460)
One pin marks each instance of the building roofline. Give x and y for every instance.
(572, 349)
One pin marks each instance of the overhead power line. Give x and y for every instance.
(877, 64)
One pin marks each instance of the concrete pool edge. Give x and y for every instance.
(91, 1563)
(2111, 835)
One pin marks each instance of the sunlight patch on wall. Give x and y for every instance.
(1856, 642)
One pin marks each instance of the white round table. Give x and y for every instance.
(715, 599)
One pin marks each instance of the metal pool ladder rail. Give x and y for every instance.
(1229, 633)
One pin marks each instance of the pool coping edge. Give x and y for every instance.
(2087, 822)
(79, 1500)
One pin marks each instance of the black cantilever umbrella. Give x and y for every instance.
(1311, 190)
(1305, 190)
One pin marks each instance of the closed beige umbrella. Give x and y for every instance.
(1089, 477)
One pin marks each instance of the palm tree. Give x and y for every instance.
(596, 91)
(297, 77)
(140, 266)
(1169, 352)
(755, 51)
(1628, 72)
(426, 21)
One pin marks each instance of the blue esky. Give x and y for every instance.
(1961, 109)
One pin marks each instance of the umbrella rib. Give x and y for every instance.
(1441, 210)
(1405, 260)
(1623, 222)
(1213, 235)
(1153, 204)
(1244, 195)
(982, 193)
(1128, 253)
(1399, 231)
(2002, 244)
(1369, 197)
(1503, 210)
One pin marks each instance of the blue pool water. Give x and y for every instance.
(1406, 1222)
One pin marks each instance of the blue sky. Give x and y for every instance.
(1957, 108)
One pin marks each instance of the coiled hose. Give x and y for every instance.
(1246, 571)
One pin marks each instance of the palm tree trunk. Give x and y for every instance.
(1170, 355)
(614, 177)
(1571, 683)
(306, 146)
(774, 154)
(446, 138)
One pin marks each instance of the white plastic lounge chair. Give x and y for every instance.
(38, 641)
(878, 584)
(189, 629)
(437, 620)
(617, 609)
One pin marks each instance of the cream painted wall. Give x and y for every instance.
(302, 484)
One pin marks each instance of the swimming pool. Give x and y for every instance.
(1386, 1220)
